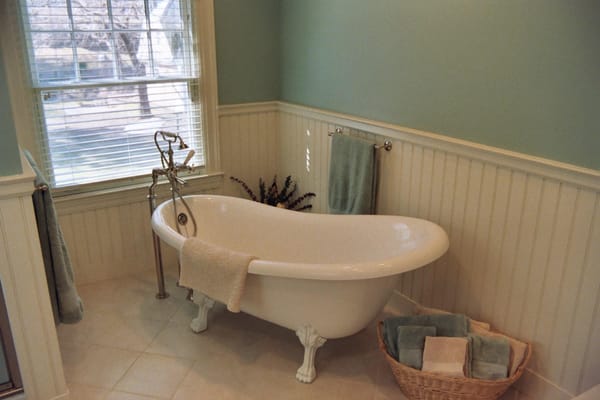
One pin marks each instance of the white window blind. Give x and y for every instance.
(106, 75)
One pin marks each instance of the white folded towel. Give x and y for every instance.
(217, 272)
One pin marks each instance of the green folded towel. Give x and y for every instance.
(411, 341)
(452, 325)
(488, 357)
(351, 176)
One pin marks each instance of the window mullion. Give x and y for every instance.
(116, 69)
(73, 45)
(149, 36)
(191, 68)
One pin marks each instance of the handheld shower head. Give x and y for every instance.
(167, 136)
(172, 138)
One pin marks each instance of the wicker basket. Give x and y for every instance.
(419, 385)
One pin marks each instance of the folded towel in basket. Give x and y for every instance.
(217, 272)
(518, 349)
(411, 341)
(445, 355)
(489, 357)
(473, 323)
(454, 325)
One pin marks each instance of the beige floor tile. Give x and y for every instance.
(129, 297)
(127, 333)
(111, 329)
(100, 296)
(73, 354)
(178, 340)
(217, 376)
(114, 395)
(80, 332)
(279, 370)
(144, 305)
(155, 375)
(171, 275)
(386, 387)
(239, 357)
(82, 392)
(95, 365)
(186, 313)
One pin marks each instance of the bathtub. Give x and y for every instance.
(323, 276)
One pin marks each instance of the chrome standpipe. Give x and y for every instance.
(169, 169)
(158, 265)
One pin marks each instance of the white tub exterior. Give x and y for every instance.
(332, 272)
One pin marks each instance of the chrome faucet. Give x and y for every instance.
(169, 169)
(169, 166)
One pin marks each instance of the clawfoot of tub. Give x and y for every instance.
(311, 341)
(205, 303)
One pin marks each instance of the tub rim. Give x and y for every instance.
(329, 271)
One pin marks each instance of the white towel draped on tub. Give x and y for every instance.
(217, 272)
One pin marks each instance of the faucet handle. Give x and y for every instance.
(189, 157)
(172, 176)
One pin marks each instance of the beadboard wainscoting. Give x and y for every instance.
(26, 291)
(524, 235)
(108, 233)
(249, 144)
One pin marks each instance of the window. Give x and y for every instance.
(106, 75)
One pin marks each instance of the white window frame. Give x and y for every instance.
(25, 115)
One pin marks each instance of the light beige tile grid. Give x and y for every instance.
(131, 346)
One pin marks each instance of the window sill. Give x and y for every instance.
(69, 203)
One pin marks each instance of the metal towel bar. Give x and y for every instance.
(387, 145)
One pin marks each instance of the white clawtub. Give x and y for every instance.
(323, 276)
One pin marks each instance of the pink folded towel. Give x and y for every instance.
(445, 355)
(217, 272)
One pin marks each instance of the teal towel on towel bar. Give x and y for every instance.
(66, 303)
(411, 342)
(352, 179)
(488, 357)
(452, 325)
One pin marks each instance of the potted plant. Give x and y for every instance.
(272, 196)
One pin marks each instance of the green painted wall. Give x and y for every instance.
(522, 75)
(248, 50)
(10, 162)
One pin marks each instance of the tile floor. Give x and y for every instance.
(131, 346)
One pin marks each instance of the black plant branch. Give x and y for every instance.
(306, 207)
(275, 197)
(283, 197)
(246, 188)
(261, 188)
(300, 199)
